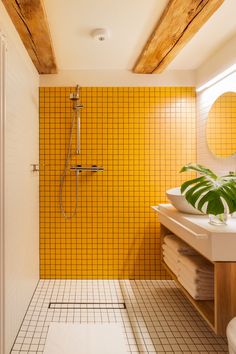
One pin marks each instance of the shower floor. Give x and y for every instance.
(157, 317)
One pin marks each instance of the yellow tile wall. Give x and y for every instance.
(141, 136)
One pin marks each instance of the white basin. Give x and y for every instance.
(179, 202)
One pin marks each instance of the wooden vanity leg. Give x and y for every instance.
(225, 295)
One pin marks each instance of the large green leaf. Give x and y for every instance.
(194, 194)
(200, 169)
(215, 206)
(229, 201)
(209, 193)
(186, 184)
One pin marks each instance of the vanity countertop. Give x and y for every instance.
(216, 243)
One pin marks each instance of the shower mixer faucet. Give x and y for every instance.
(93, 168)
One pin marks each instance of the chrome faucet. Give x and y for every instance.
(94, 168)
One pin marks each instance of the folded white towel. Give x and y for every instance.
(197, 296)
(172, 265)
(170, 252)
(178, 245)
(198, 285)
(197, 277)
(195, 293)
(171, 260)
(197, 264)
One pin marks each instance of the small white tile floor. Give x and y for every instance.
(157, 318)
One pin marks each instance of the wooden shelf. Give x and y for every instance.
(204, 307)
(219, 312)
(217, 245)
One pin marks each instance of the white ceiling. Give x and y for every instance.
(130, 23)
(216, 31)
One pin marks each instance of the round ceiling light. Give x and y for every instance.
(100, 34)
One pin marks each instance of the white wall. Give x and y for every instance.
(118, 78)
(218, 62)
(205, 99)
(21, 206)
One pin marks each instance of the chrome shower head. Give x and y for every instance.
(75, 97)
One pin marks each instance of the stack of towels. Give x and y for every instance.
(173, 248)
(193, 271)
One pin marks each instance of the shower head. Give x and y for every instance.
(75, 97)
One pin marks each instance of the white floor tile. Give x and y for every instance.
(158, 318)
(65, 338)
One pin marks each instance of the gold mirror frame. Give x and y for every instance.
(221, 126)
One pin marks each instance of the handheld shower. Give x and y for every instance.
(77, 106)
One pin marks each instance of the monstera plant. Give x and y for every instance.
(209, 193)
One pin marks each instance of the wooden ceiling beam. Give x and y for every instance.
(30, 20)
(180, 21)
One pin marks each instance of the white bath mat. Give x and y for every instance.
(70, 338)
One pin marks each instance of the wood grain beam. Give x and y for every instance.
(30, 20)
(180, 21)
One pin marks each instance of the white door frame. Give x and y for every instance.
(2, 185)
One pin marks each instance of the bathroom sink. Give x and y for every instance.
(180, 203)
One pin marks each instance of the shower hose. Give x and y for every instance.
(64, 174)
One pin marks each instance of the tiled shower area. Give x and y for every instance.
(141, 136)
(103, 265)
(156, 319)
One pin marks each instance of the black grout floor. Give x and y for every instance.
(157, 318)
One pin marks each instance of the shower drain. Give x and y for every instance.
(87, 306)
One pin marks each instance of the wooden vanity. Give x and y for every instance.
(218, 245)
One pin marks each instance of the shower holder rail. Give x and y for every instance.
(94, 168)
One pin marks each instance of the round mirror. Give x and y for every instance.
(221, 126)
